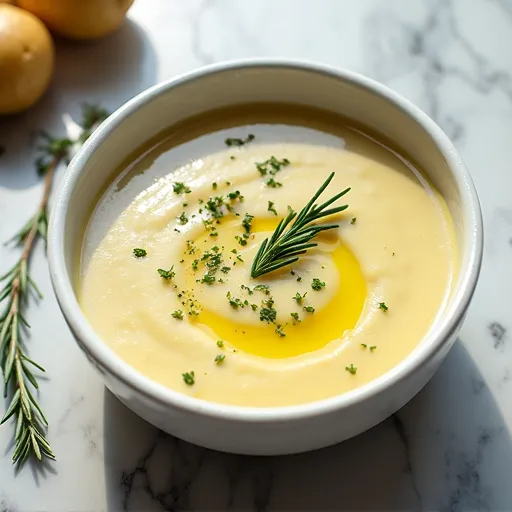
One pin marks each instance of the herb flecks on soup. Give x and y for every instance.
(193, 286)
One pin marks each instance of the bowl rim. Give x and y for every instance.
(433, 342)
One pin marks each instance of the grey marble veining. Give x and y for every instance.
(450, 448)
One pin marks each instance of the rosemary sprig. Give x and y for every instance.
(284, 247)
(31, 423)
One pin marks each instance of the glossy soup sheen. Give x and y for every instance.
(187, 313)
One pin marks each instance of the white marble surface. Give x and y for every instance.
(450, 449)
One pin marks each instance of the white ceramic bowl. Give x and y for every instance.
(279, 430)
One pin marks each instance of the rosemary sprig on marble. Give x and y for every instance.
(285, 246)
(17, 286)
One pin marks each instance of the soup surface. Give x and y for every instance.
(166, 270)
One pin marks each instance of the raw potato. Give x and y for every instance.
(79, 19)
(26, 59)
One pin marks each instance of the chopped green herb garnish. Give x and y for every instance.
(309, 309)
(299, 298)
(140, 253)
(272, 183)
(353, 221)
(214, 205)
(220, 343)
(295, 317)
(269, 301)
(247, 289)
(225, 269)
(262, 288)
(239, 142)
(236, 195)
(180, 188)
(214, 186)
(219, 358)
(271, 208)
(246, 223)
(317, 285)
(208, 278)
(166, 274)
(271, 166)
(382, 306)
(268, 315)
(195, 264)
(364, 345)
(351, 369)
(373, 347)
(239, 258)
(191, 248)
(189, 378)
(279, 331)
(242, 241)
(178, 314)
(232, 157)
(183, 219)
(234, 302)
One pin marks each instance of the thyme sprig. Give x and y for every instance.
(285, 246)
(31, 423)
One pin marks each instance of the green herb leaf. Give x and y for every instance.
(180, 188)
(246, 223)
(208, 278)
(351, 369)
(15, 290)
(262, 288)
(317, 285)
(140, 253)
(178, 314)
(166, 274)
(382, 306)
(219, 358)
(239, 142)
(220, 343)
(189, 378)
(272, 165)
(279, 331)
(272, 183)
(309, 309)
(299, 298)
(285, 245)
(271, 208)
(268, 314)
(240, 240)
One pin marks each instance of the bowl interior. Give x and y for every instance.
(353, 97)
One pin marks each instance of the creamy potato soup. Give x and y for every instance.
(188, 275)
